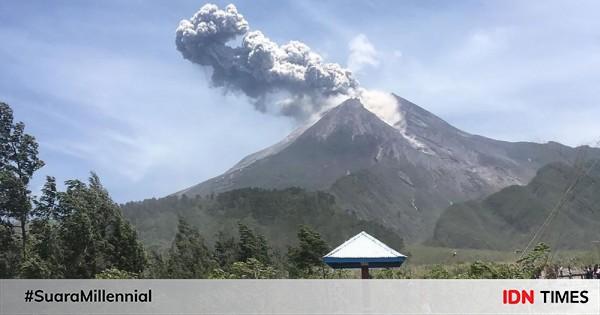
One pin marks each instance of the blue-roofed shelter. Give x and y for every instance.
(363, 251)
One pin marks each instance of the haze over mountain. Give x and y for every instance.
(402, 176)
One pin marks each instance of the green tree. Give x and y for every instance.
(44, 247)
(44, 259)
(226, 250)
(157, 266)
(482, 270)
(18, 161)
(114, 273)
(9, 252)
(128, 253)
(46, 206)
(77, 231)
(304, 259)
(535, 261)
(252, 245)
(94, 234)
(264, 251)
(250, 269)
(189, 257)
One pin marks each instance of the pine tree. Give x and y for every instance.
(263, 250)
(308, 255)
(46, 206)
(189, 257)
(44, 259)
(157, 266)
(226, 250)
(252, 245)
(94, 234)
(247, 244)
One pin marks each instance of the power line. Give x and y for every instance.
(560, 202)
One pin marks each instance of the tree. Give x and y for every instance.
(252, 245)
(77, 231)
(308, 255)
(226, 250)
(18, 161)
(44, 259)
(75, 234)
(157, 266)
(482, 270)
(128, 254)
(9, 253)
(263, 250)
(189, 257)
(250, 269)
(535, 261)
(93, 232)
(46, 206)
(114, 273)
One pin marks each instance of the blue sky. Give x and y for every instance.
(102, 87)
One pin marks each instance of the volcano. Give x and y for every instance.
(402, 175)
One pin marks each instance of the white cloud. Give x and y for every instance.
(482, 44)
(362, 53)
(505, 74)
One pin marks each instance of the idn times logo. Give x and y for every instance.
(514, 296)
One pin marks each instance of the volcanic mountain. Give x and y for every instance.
(402, 175)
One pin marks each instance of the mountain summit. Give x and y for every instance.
(402, 176)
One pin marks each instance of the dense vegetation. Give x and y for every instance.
(507, 220)
(247, 232)
(245, 256)
(534, 264)
(276, 214)
(76, 233)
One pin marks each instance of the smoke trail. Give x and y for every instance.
(291, 77)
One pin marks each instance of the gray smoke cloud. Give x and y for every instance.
(290, 77)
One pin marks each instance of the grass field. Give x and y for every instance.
(427, 255)
(427, 262)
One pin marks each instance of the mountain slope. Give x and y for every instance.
(507, 220)
(403, 176)
(275, 213)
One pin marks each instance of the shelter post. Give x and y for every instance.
(364, 272)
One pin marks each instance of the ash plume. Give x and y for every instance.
(291, 77)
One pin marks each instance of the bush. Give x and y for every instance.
(114, 273)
